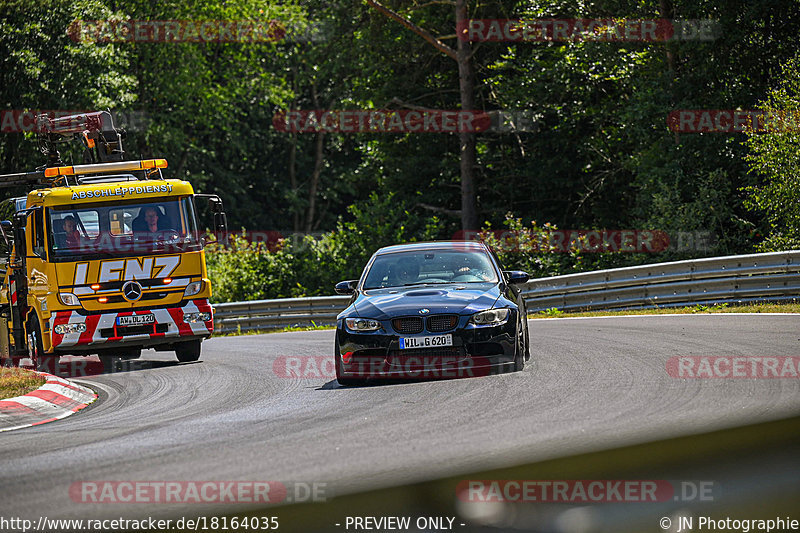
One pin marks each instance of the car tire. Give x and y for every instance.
(344, 381)
(188, 352)
(519, 352)
(41, 361)
(527, 336)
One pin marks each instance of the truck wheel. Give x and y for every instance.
(41, 361)
(188, 351)
(130, 353)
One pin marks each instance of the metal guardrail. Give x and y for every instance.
(733, 278)
(260, 315)
(737, 278)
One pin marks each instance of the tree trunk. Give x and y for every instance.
(667, 11)
(293, 181)
(318, 160)
(312, 189)
(466, 85)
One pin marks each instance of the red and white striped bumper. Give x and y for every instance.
(101, 328)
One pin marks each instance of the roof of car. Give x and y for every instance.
(466, 246)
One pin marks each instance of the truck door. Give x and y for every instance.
(18, 285)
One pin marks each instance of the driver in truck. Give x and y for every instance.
(150, 221)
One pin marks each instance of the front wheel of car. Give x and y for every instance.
(344, 381)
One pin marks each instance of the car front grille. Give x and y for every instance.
(442, 322)
(407, 325)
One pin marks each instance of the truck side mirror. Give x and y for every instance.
(215, 204)
(7, 229)
(221, 228)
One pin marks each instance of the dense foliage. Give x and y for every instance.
(775, 158)
(601, 154)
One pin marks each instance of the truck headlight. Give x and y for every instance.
(362, 324)
(196, 317)
(490, 317)
(193, 288)
(63, 329)
(67, 298)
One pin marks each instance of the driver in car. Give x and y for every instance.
(405, 271)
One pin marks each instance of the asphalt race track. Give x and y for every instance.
(596, 383)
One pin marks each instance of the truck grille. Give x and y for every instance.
(124, 331)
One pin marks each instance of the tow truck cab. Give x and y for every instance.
(106, 263)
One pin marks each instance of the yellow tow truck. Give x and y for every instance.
(102, 258)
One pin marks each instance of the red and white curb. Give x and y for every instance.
(56, 399)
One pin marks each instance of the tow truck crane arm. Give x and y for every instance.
(96, 131)
(103, 142)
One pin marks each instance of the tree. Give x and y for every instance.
(774, 156)
(45, 68)
(466, 84)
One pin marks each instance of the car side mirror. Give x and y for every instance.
(516, 277)
(346, 287)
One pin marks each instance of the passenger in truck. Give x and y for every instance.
(73, 236)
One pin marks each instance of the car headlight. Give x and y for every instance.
(196, 317)
(67, 298)
(492, 316)
(63, 329)
(193, 288)
(362, 324)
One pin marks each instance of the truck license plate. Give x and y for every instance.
(136, 320)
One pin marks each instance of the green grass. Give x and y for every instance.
(313, 327)
(18, 381)
(721, 308)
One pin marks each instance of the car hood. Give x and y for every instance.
(382, 304)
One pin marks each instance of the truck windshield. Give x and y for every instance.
(96, 231)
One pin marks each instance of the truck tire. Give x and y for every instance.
(41, 361)
(188, 352)
(130, 353)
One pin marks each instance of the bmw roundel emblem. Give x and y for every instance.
(424, 311)
(132, 291)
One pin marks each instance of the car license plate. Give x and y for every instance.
(430, 341)
(136, 320)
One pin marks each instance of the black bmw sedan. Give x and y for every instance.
(431, 310)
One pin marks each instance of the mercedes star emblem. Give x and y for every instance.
(132, 291)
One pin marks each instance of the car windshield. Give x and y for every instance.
(430, 267)
(122, 229)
